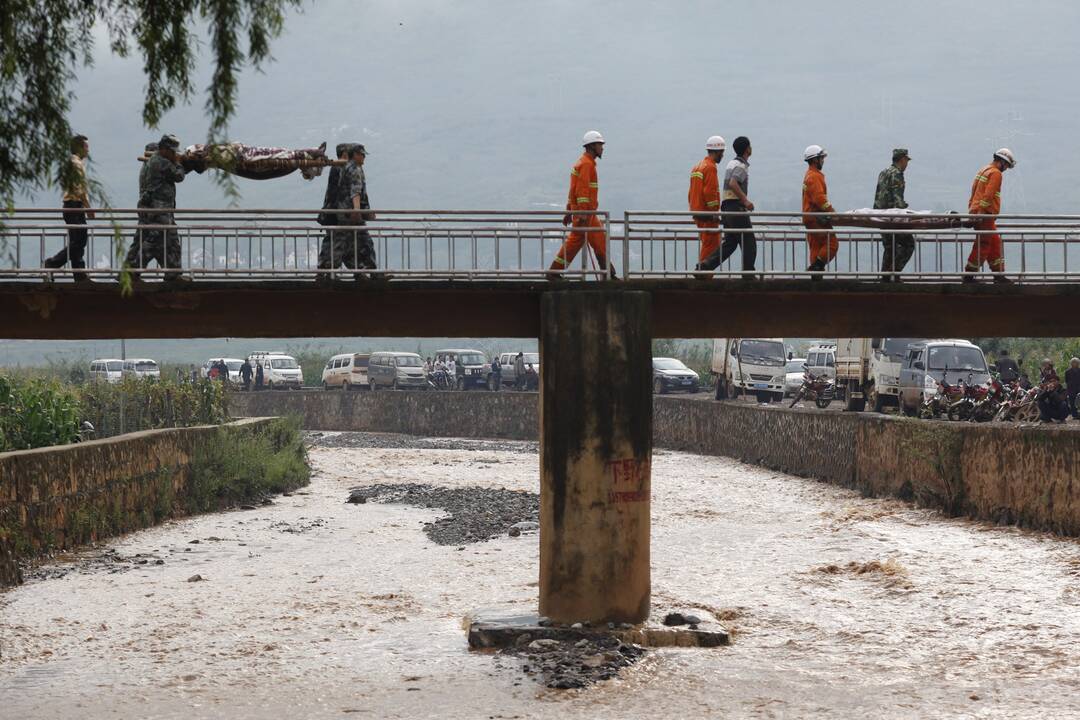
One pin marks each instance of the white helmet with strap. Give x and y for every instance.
(814, 151)
(1006, 156)
(593, 136)
(715, 143)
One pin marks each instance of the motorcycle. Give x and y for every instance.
(819, 389)
(962, 408)
(938, 403)
(440, 380)
(1020, 405)
(986, 408)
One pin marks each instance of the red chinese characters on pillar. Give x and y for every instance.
(628, 480)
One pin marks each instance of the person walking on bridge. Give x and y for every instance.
(897, 247)
(734, 199)
(815, 199)
(76, 200)
(330, 219)
(163, 171)
(354, 248)
(584, 196)
(704, 196)
(986, 200)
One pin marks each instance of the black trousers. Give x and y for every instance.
(1073, 410)
(898, 249)
(77, 236)
(735, 236)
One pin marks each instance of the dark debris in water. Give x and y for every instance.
(392, 441)
(567, 664)
(474, 514)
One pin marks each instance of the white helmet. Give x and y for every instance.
(593, 136)
(814, 151)
(1006, 156)
(715, 143)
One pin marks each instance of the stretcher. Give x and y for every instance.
(895, 219)
(255, 162)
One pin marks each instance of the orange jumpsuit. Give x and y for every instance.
(584, 195)
(815, 198)
(986, 200)
(705, 195)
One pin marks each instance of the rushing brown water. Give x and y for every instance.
(841, 607)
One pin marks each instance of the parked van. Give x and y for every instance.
(821, 360)
(141, 368)
(508, 374)
(232, 363)
(348, 371)
(279, 370)
(109, 370)
(749, 365)
(470, 366)
(931, 361)
(396, 370)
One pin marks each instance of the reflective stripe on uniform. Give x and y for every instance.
(583, 199)
(574, 172)
(559, 259)
(697, 175)
(997, 194)
(982, 178)
(713, 203)
(984, 203)
(594, 185)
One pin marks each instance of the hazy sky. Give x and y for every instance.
(482, 103)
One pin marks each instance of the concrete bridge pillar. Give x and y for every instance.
(595, 455)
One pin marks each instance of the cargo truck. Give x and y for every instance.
(868, 371)
(749, 365)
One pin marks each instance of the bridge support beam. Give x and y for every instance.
(595, 456)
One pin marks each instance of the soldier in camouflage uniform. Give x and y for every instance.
(353, 248)
(899, 247)
(330, 203)
(158, 192)
(133, 251)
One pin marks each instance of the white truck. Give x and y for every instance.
(749, 365)
(868, 371)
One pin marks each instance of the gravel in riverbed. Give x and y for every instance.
(476, 514)
(392, 441)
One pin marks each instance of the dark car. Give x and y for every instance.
(470, 367)
(670, 375)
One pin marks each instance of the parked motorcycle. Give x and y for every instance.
(819, 389)
(938, 403)
(986, 408)
(1020, 405)
(440, 380)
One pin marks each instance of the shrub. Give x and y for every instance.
(37, 412)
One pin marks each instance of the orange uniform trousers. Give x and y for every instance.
(986, 249)
(576, 239)
(710, 241)
(823, 246)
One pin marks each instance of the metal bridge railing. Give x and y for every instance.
(489, 245)
(285, 244)
(1037, 248)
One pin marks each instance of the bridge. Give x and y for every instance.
(482, 273)
(255, 273)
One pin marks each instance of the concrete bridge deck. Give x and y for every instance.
(447, 308)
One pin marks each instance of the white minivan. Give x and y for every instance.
(108, 370)
(348, 371)
(142, 368)
(279, 370)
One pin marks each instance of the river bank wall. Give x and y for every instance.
(999, 473)
(57, 498)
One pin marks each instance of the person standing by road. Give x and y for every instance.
(704, 196)
(1072, 386)
(163, 171)
(77, 198)
(519, 371)
(986, 200)
(815, 199)
(584, 196)
(1008, 370)
(245, 375)
(258, 375)
(897, 247)
(496, 372)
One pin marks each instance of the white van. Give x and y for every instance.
(232, 363)
(279, 370)
(749, 365)
(348, 371)
(108, 370)
(141, 368)
(821, 360)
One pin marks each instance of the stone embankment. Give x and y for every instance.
(57, 498)
(1000, 473)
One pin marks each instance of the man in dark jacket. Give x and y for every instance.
(1051, 398)
(245, 375)
(1007, 368)
(1072, 385)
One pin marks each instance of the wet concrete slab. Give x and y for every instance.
(496, 633)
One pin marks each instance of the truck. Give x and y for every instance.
(749, 365)
(868, 371)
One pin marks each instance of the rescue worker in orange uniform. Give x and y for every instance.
(815, 198)
(583, 196)
(986, 200)
(704, 196)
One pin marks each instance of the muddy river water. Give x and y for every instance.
(310, 607)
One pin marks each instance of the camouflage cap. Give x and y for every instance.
(358, 148)
(343, 149)
(150, 147)
(169, 141)
(898, 153)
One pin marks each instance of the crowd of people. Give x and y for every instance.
(219, 371)
(1056, 400)
(346, 210)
